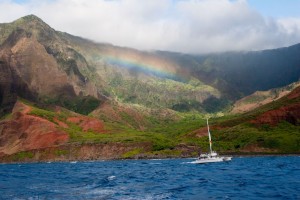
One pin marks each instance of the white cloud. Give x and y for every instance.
(193, 26)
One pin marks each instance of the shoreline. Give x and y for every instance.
(143, 158)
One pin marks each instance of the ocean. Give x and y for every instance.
(262, 177)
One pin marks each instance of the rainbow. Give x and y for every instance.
(154, 66)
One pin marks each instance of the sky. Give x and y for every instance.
(188, 26)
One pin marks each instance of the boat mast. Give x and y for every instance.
(209, 137)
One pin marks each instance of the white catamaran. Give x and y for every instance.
(212, 156)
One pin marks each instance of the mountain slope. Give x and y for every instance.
(241, 73)
(273, 127)
(54, 133)
(57, 67)
(260, 98)
(24, 53)
(33, 133)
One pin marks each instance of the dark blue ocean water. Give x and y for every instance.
(273, 177)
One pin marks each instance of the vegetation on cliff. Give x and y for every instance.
(273, 128)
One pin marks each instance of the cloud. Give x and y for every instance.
(191, 26)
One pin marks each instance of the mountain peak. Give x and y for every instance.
(34, 25)
(31, 17)
(29, 24)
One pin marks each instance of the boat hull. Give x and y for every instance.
(211, 160)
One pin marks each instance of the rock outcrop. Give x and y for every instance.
(11, 86)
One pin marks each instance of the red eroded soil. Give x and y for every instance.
(87, 123)
(25, 132)
(60, 123)
(290, 113)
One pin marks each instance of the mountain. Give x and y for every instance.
(66, 70)
(38, 65)
(53, 67)
(64, 97)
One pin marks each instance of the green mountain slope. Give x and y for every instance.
(35, 133)
(241, 73)
(273, 127)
